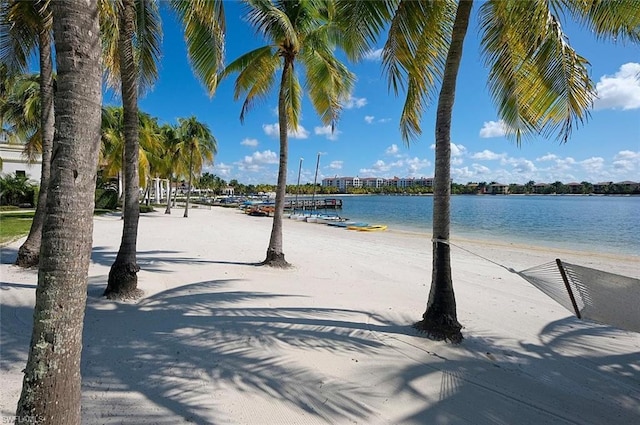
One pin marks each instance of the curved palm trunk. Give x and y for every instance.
(186, 208)
(51, 385)
(123, 278)
(275, 255)
(440, 319)
(30, 250)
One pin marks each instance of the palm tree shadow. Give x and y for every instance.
(155, 260)
(566, 378)
(8, 255)
(186, 348)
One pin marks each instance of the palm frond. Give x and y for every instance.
(20, 25)
(540, 84)
(270, 19)
(414, 56)
(293, 99)
(109, 36)
(148, 41)
(256, 76)
(328, 82)
(204, 28)
(617, 20)
(361, 22)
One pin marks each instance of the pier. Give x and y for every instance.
(310, 204)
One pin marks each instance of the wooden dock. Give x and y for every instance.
(318, 204)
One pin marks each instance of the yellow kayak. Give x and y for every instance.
(375, 228)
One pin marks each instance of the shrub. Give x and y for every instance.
(106, 199)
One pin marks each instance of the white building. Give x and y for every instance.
(13, 162)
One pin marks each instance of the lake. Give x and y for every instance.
(588, 223)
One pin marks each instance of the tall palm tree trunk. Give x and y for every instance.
(186, 208)
(51, 385)
(440, 319)
(275, 254)
(123, 278)
(30, 250)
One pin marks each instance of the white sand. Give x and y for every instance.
(217, 340)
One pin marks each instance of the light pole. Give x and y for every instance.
(315, 179)
(298, 186)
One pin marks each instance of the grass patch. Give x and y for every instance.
(14, 225)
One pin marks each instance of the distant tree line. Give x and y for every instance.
(470, 188)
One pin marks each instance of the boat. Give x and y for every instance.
(328, 219)
(373, 228)
(346, 224)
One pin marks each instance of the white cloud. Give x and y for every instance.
(373, 55)
(256, 161)
(222, 169)
(593, 164)
(273, 130)
(392, 150)
(520, 165)
(493, 129)
(384, 120)
(368, 119)
(547, 157)
(336, 165)
(414, 165)
(354, 102)
(626, 161)
(326, 131)
(249, 142)
(621, 90)
(457, 150)
(487, 155)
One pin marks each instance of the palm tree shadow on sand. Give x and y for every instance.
(573, 375)
(180, 349)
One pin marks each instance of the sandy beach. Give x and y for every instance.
(217, 340)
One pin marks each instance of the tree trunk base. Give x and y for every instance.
(441, 328)
(275, 259)
(123, 282)
(27, 257)
(167, 211)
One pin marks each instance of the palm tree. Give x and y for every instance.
(539, 82)
(20, 108)
(25, 26)
(300, 32)
(198, 145)
(170, 164)
(135, 65)
(113, 143)
(51, 385)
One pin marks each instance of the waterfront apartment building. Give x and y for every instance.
(344, 183)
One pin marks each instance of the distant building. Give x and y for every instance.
(13, 162)
(498, 189)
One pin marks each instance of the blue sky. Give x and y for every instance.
(367, 142)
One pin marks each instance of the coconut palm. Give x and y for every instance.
(113, 143)
(24, 27)
(301, 32)
(20, 109)
(197, 147)
(132, 52)
(540, 84)
(172, 165)
(51, 385)
(131, 57)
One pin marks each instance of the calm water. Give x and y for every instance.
(588, 223)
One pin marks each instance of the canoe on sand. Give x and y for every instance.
(373, 228)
